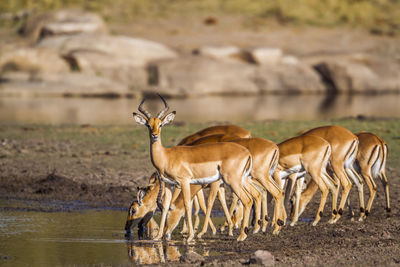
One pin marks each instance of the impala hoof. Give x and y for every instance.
(280, 222)
(292, 223)
(242, 237)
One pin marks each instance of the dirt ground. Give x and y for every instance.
(48, 164)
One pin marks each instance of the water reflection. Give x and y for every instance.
(235, 109)
(141, 253)
(158, 252)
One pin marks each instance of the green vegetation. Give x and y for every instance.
(129, 145)
(382, 16)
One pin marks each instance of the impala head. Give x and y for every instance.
(142, 209)
(154, 124)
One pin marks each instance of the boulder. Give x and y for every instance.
(288, 78)
(359, 73)
(61, 84)
(264, 55)
(195, 76)
(120, 58)
(262, 257)
(224, 53)
(62, 22)
(32, 60)
(348, 77)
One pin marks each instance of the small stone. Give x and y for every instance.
(262, 257)
(192, 257)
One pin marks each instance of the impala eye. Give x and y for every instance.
(132, 211)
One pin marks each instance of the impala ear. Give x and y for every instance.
(169, 118)
(140, 196)
(139, 118)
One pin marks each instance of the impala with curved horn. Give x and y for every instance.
(203, 164)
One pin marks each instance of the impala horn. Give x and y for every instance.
(162, 112)
(143, 111)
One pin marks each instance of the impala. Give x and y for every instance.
(306, 154)
(265, 158)
(371, 162)
(203, 164)
(344, 146)
(227, 130)
(148, 198)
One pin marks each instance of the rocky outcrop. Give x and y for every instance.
(119, 58)
(62, 22)
(359, 74)
(195, 76)
(73, 42)
(61, 84)
(32, 60)
(288, 78)
(224, 53)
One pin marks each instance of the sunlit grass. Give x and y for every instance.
(379, 15)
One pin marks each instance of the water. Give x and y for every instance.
(80, 237)
(204, 109)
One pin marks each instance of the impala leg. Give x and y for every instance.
(324, 194)
(333, 187)
(222, 200)
(277, 193)
(359, 184)
(232, 208)
(247, 202)
(256, 194)
(196, 213)
(371, 187)
(237, 216)
(264, 205)
(185, 187)
(184, 227)
(385, 184)
(307, 195)
(167, 203)
(210, 203)
(202, 203)
(299, 185)
(346, 184)
(172, 222)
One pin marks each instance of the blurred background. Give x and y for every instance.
(86, 61)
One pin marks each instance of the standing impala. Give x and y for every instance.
(265, 156)
(371, 162)
(344, 151)
(203, 164)
(307, 154)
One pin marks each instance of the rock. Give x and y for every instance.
(348, 77)
(191, 257)
(32, 60)
(119, 58)
(224, 53)
(288, 78)
(262, 257)
(63, 22)
(359, 73)
(63, 84)
(195, 76)
(264, 55)
(134, 50)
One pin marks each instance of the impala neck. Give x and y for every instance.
(157, 154)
